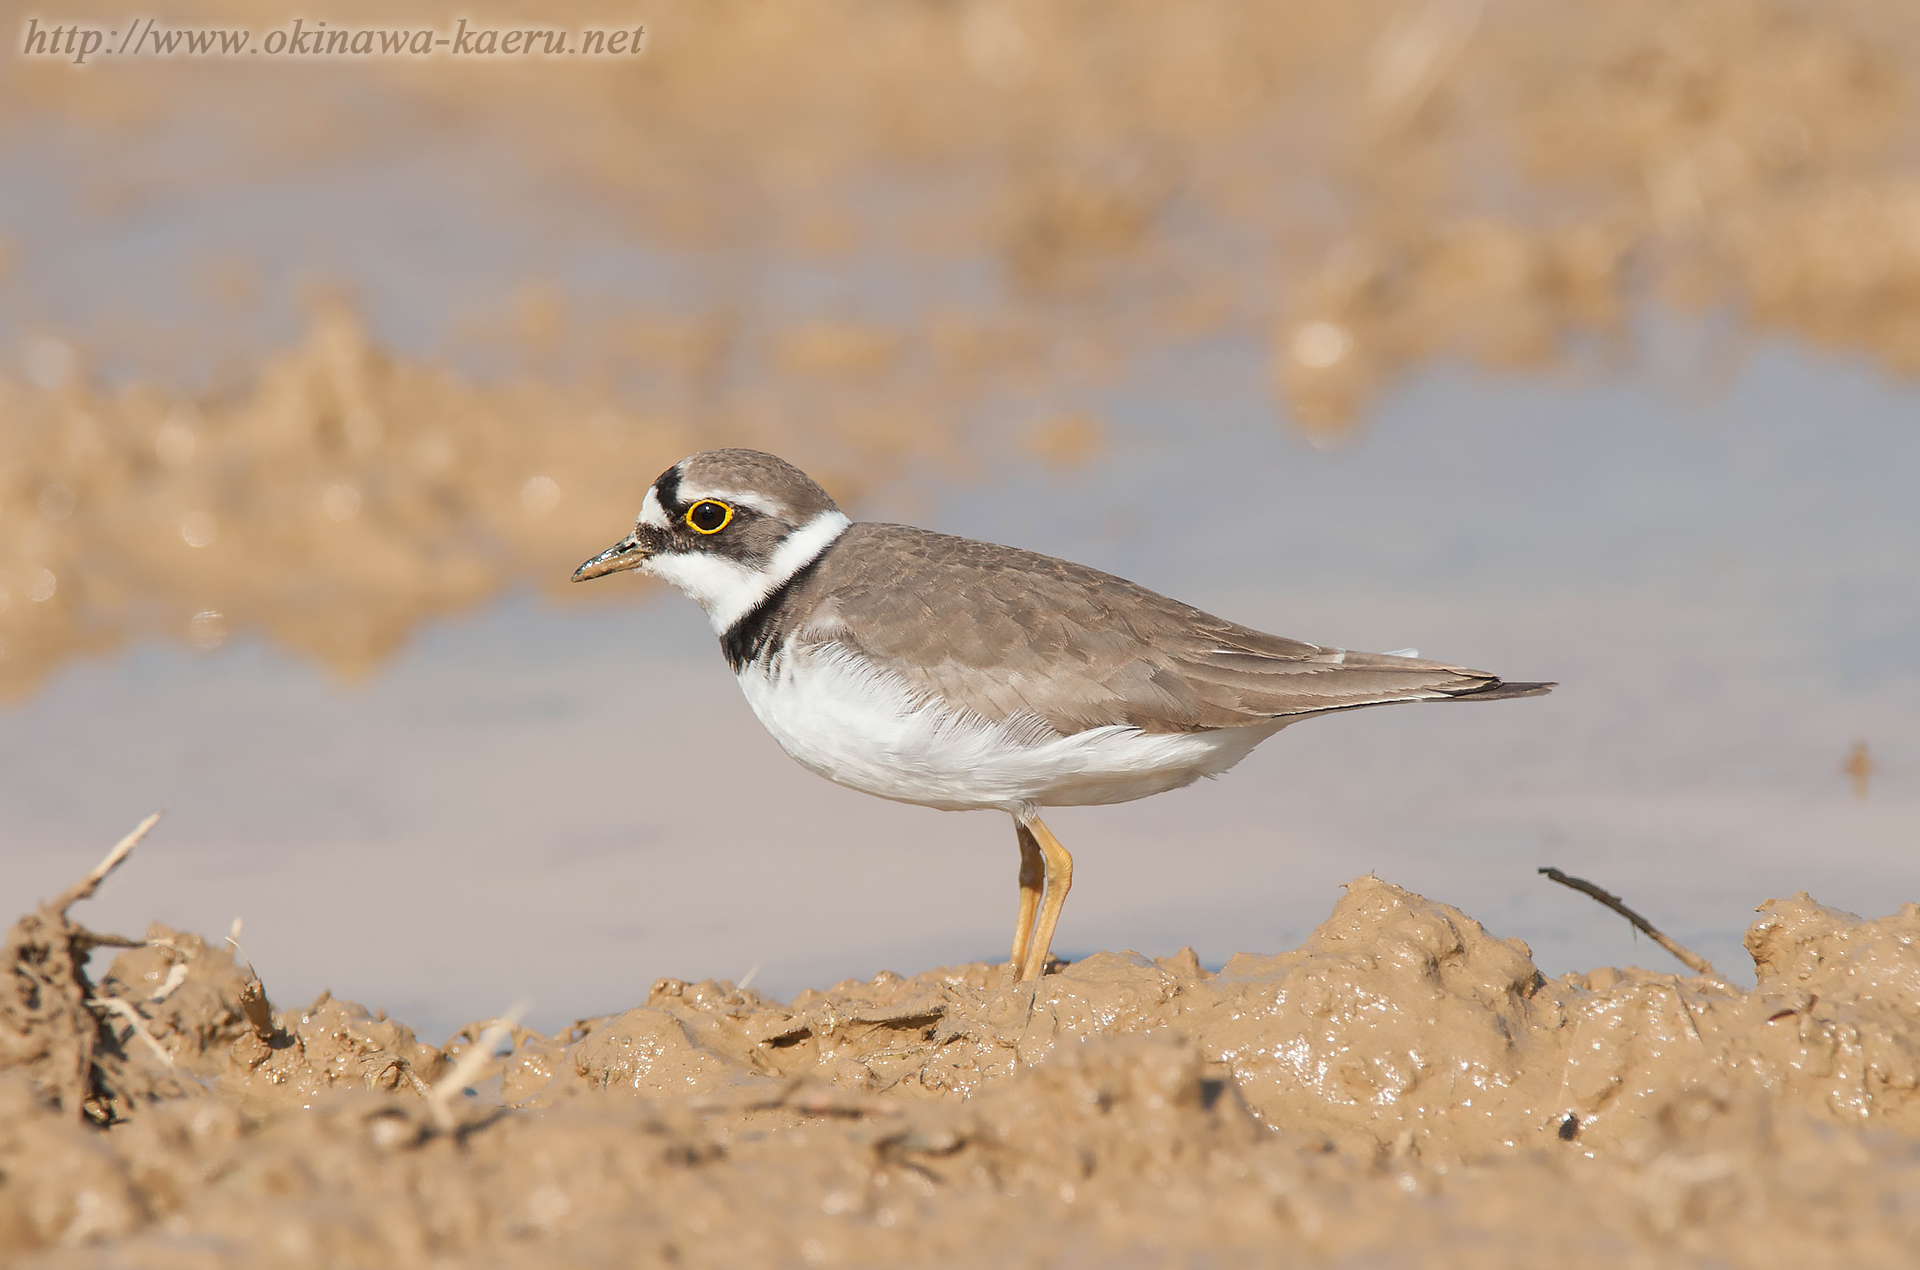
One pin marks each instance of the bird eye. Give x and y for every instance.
(709, 517)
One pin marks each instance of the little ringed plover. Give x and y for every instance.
(964, 675)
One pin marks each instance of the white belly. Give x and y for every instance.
(847, 722)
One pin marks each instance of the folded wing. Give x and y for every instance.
(1003, 632)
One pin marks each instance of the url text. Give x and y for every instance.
(144, 37)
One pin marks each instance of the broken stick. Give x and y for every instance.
(466, 1069)
(1693, 960)
(87, 885)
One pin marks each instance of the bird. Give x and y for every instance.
(965, 675)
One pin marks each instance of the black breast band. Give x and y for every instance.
(746, 641)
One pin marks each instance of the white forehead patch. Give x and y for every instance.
(651, 512)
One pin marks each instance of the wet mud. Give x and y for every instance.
(1404, 1088)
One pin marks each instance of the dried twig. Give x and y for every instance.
(133, 1017)
(467, 1068)
(71, 1051)
(1693, 960)
(87, 885)
(176, 975)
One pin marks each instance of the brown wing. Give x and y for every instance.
(1003, 631)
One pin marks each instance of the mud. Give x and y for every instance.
(339, 501)
(1404, 1088)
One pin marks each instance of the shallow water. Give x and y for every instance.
(564, 805)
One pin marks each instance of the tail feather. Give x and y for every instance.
(1500, 690)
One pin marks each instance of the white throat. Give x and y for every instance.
(729, 590)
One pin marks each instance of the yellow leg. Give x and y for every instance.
(1032, 878)
(1058, 867)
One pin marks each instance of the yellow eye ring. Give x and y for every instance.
(700, 516)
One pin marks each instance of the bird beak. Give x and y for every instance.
(625, 554)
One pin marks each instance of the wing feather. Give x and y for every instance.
(1006, 633)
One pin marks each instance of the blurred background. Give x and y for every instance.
(1568, 341)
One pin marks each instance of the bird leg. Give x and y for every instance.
(1032, 878)
(1058, 868)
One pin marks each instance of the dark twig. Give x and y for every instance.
(1693, 960)
(48, 1024)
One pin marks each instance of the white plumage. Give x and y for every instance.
(859, 726)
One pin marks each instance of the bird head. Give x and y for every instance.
(728, 527)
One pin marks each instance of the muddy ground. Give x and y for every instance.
(1403, 1089)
